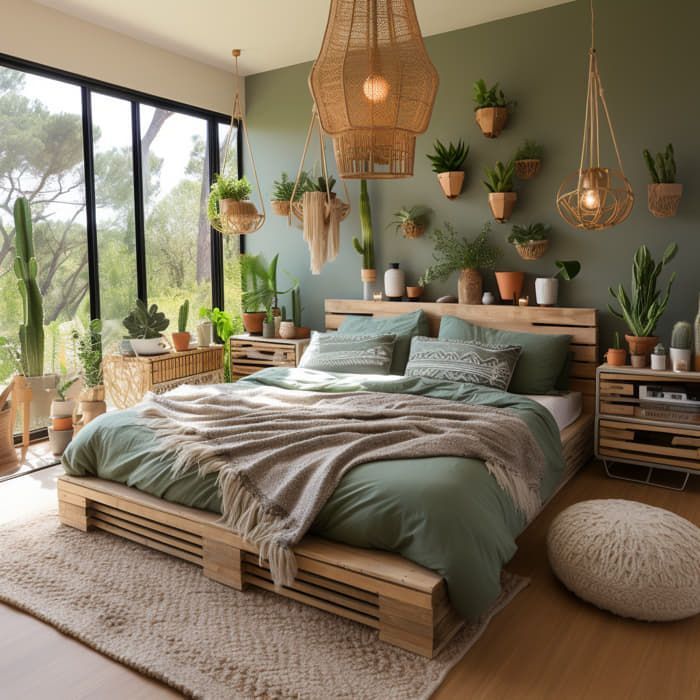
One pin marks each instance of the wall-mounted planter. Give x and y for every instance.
(412, 229)
(664, 198)
(491, 120)
(528, 168)
(502, 205)
(532, 250)
(451, 183)
(510, 285)
(280, 207)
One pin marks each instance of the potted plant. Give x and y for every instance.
(646, 306)
(91, 402)
(502, 197)
(681, 347)
(453, 253)
(531, 241)
(181, 338)
(225, 327)
(414, 292)
(229, 206)
(663, 193)
(616, 355)
(283, 191)
(528, 159)
(411, 222)
(492, 108)
(659, 357)
(447, 163)
(368, 273)
(300, 331)
(145, 326)
(547, 288)
(63, 408)
(260, 293)
(269, 324)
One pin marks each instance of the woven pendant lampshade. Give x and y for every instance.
(595, 197)
(374, 86)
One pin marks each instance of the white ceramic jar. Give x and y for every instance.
(546, 290)
(394, 283)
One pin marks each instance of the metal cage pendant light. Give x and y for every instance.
(374, 86)
(595, 198)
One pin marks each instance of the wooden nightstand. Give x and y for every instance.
(251, 353)
(659, 435)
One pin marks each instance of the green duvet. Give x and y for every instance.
(445, 513)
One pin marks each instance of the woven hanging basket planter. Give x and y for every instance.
(470, 286)
(664, 198)
(411, 229)
(237, 218)
(491, 120)
(532, 250)
(527, 169)
(280, 207)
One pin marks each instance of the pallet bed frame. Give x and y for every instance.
(407, 604)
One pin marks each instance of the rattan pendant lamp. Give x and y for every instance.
(595, 197)
(374, 86)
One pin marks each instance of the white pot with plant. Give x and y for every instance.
(547, 288)
(455, 253)
(502, 196)
(448, 162)
(62, 406)
(145, 326)
(528, 160)
(492, 108)
(229, 208)
(531, 241)
(411, 223)
(663, 193)
(681, 347)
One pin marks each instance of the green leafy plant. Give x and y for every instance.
(63, 385)
(89, 353)
(500, 177)
(225, 327)
(259, 283)
(642, 311)
(10, 356)
(283, 189)
(145, 322)
(662, 168)
(453, 253)
(416, 214)
(296, 307)
(567, 269)
(682, 336)
(525, 234)
(448, 159)
(182, 316)
(529, 150)
(320, 184)
(366, 248)
(490, 96)
(223, 187)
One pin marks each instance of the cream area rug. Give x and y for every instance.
(162, 617)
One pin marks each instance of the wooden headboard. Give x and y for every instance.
(580, 324)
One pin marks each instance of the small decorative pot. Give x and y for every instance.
(268, 329)
(394, 283)
(680, 359)
(241, 215)
(546, 291)
(532, 250)
(451, 183)
(527, 168)
(488, 298)
(411, 229)
(205, 333)
(92, 393)
(414, 293)
(302, 332)
(59, 440)
(658, 361)
(61, 409)
(181, 340)
(61, 423)
(638, 361)
(470, 286)
(502, 205)
(641, 345)
(149, 346)
(617, 357)
(287, 330)
(510, 285)
(89, 410)
(253, 322)
(663, 198)
(280, 207)
(491, 120)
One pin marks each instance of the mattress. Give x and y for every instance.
(565, 408)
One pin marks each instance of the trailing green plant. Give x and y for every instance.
(448, 159)
(296, 307)
(225, 327)
(320, 184)
(617, 343)
(366, 248)
(642, 311)
(182, 316)
(662, 168)
(283, 189)
(529, 150)
(63, 385)
(568, 269)
(682, 336)
(145, 322)
(500, 177)
(223, 187)
(525, 234)
(490, 96)
(89, 353)
(31, 330)
(417, 214)
(453, 253)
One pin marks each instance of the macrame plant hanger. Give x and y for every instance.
(239, 217)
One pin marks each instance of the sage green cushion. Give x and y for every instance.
(463, 361)
(349, 354)
(404, 327)
(542, 359)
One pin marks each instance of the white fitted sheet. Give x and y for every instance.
(565, 408)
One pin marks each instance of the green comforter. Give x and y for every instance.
(447, 513)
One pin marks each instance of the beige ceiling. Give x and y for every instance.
(272, 33)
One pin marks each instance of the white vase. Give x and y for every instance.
(43, 393)
(488, 298)
(546, 290)
(205, 334)
(658, 362)
(394, 283)
(149, 346)
(62, 409)
(680, 360)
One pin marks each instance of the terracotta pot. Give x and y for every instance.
(181, 340)
(253, 322)
(470, 286)
(280, 207)
(451, 183)
(368, 274)
(638, 361)
(502, 205)
(664, 198)
(642, 345)
(62, 422)
(510, 285)
(302, 332)
(414, 293)
(617, 357)
(287, 330)
(491, 120)
(527, 168)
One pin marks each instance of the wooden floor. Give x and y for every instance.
(546, 644)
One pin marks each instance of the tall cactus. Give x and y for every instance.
(31, 331)
(366, 248)
(296, 306)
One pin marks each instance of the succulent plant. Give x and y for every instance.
(682, 336)
(525, 234)
(145, 322)
(500, 177)
(530, 150)
(662, 168)
(450, 158)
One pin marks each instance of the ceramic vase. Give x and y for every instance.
(205, 334)
(546, 291)
(470, 286)
(394, 283)
(488, 298)
(680, 359)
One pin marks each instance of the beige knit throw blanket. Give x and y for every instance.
(280, 454)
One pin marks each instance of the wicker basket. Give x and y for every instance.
(411, 229)
(664, 199)
(238, 217)
(280, 207)
(528, 168)
(532, 250)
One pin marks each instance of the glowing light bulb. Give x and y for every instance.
(590, 199)
(376, 88)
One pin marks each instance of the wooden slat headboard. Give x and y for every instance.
(581, 324)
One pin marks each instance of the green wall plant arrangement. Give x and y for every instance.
(447, 162)
(528, 159)
(681, 347)
(663, 193)
(455, 253)
(181, 338)
(411, 223)
(530, 241)
(145, 325)
(368, 273)
(492, 108)
(547, 288)
(502, 197)
(642, 311)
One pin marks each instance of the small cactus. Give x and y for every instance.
(182, 316)
(682, 336)
(617, 345)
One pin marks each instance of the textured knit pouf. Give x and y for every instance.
(629, 558)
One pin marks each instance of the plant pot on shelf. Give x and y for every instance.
(59, 440)
(369, 283)
(61, 409)
(92, 393)
(149, 346)
(510, 285)
(62, 423)
(617, 357)
(641, 346)
(302, 332)
(253, 322)
(241, 216)
(527, 168)
(451, 183)
(491, 120)
(287, 330)
(639, 361)
(205, 334)
(502, 205)
(268, 329)
(394, 283)
(546, 291)
(681, 359)
(181, 340)
(532, 250)
(663, 198)
(470, 286)
(414, 293)
(280, 207)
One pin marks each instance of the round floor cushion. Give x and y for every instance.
(627, 557)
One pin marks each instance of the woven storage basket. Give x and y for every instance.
(527, 169)
(533, 250)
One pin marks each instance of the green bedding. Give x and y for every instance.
(447, 513)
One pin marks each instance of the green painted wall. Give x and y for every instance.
(649, 54)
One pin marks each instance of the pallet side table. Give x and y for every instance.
(251, 353)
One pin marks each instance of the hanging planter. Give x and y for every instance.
(664, 193)
(528, 160)
(499, 183)
(531, 241)
(492, 109)
(447, 163)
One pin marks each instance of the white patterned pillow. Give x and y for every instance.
(463, 361)
(352, 354)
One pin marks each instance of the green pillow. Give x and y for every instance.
(542, 358)
(352, 354)
(404, 327)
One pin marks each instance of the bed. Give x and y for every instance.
(341, 570)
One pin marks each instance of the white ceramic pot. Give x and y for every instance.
(149, 346)
(680, 360)
(59, 440)
(62, 409)
(546, 290)
(488, 298)
(43, 393)
(658, 362)
(205, 334)
(394, 283)
(287, 330)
